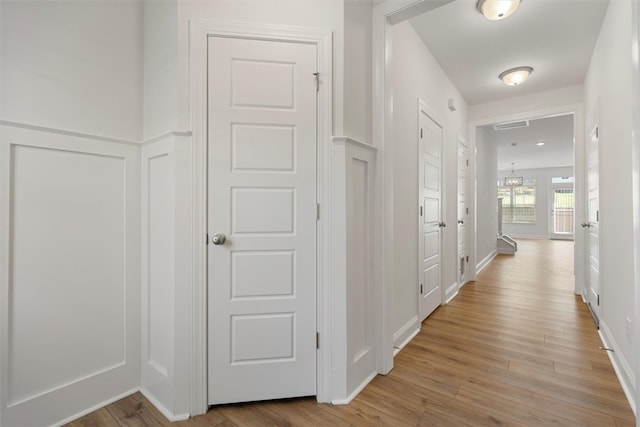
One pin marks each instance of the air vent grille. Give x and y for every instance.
(511, 125)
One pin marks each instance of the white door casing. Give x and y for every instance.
(463, 211)
(430, 136)
(262, 196)
(592, 225)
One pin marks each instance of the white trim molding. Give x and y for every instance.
(199, 32)
(405, 334)
(485, 262)
(451, 292)
(620, 365)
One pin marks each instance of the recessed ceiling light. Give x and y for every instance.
(495, 10)
(515, 76)
(540, 144)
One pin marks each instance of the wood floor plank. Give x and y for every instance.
(514, 348)
(136, 411)
(99, 418)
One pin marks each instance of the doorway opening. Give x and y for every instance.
(535, 170)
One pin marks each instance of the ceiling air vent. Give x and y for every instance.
(511, 125)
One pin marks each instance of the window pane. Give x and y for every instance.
(518, 202)
(524, 205)
(563, 202)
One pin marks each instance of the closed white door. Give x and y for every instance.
(463, 211)
(261, 219)
(592, 225)
(430, 226)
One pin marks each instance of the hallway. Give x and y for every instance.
(516, 347)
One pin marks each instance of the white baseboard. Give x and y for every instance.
(98, 406)
(486, 261)
(163, 409)
(451, 292)
(355, 392)
(620, 365)
(405, 334)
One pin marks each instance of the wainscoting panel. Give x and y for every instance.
(70, 281)
(355, 305)
(165, 229)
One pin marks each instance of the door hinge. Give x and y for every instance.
(597, 216)
(421, 133)
(317, 339)
(420, 210)
(597, 136)
(206, 242)
(467, 258)
(598, 300)
(421, 289)
(467, 211)
(317, 75)
(317, 211)
(467, 162)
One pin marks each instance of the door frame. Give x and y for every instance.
(199, 32)
(579, 185)
(462, 280)
(592, 122)
(431, 114)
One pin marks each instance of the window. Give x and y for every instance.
(518, 202)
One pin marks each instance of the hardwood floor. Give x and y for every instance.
(516, 347)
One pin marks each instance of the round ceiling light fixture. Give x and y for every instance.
(515, 76)
(495, 10)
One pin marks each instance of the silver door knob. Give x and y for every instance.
(218, 239)
(461, 221)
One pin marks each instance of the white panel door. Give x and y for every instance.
(463, 210)
(262, 197)
(430, 188)
(592, 225)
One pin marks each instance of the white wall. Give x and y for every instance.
(608, 82)
(529, 105)
(486, 198)
(416, 74)
(73, 65)
(71, 116)
(160, 90)
(357, 69)
(539, 229)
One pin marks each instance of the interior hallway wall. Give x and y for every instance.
(486, 196)
(70, 122)
(607, 85)
(416, 74)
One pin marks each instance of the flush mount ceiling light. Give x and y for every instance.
(495, 10)
(515, 76)
(540, 144)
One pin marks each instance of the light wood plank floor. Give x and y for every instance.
(516, 347)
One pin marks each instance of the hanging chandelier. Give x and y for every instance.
(512, 179)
